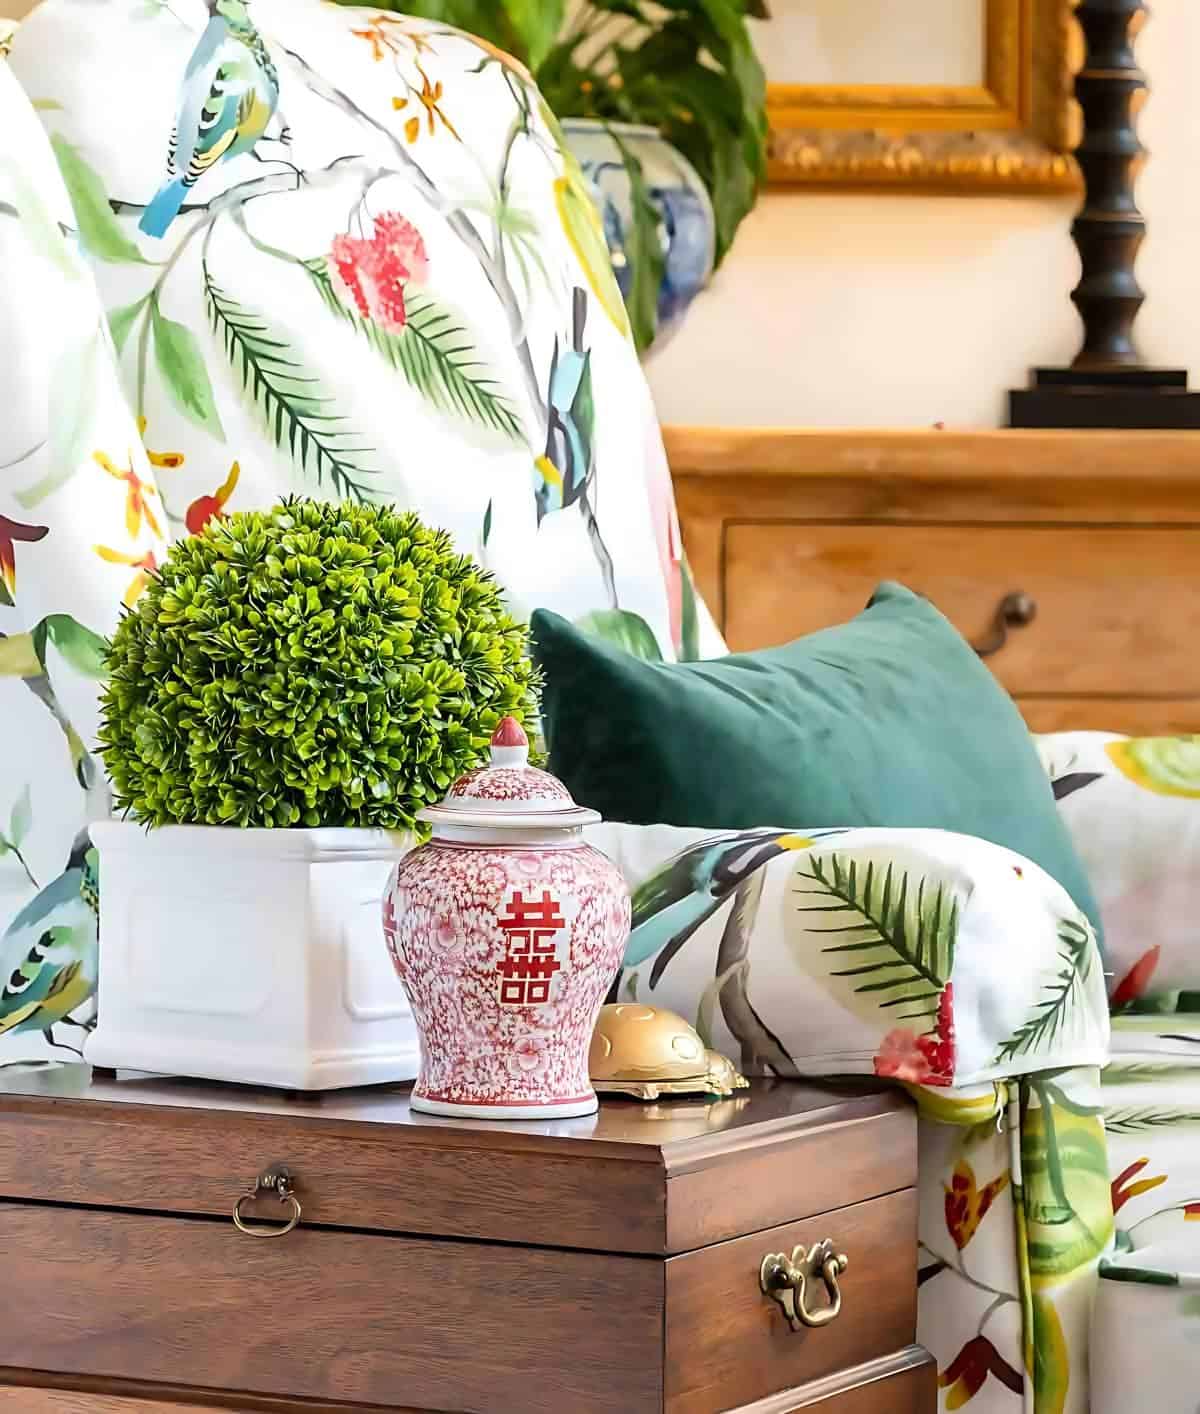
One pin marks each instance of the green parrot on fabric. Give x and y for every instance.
(49, 957)
(230, 94)
(564, 474)
(671, 904)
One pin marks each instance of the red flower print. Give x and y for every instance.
(965, 1375)
(1191, 1212)
(1123, 1190)
(206, 508)
(528, 1055)
(11, 531)
(370, 276)
(921, 1060)
(1137, 979)
(967, 1204)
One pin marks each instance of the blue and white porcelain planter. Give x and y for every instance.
(687, 227)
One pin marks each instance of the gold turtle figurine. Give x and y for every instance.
(651, 1054)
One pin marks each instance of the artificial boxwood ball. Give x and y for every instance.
(314, 664)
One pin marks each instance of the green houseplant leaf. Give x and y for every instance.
(318, 663)
(99, 230)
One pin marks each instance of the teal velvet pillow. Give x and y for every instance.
(888, 720)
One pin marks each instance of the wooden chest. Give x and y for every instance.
(612, 1263)
(1068, 558)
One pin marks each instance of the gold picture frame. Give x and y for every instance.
(1013, 132)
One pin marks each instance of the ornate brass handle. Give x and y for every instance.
(278, 1180)
(785, 1280)
(1015, 610)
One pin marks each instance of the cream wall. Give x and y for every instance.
(893, 311)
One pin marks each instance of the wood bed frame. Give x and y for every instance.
(1071, 559)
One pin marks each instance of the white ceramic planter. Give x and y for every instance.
(253, 956)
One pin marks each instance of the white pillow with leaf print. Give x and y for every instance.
(1132, 806)
(345, 253)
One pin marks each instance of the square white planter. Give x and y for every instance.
(254, 956)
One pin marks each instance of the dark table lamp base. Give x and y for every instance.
(1133, 398)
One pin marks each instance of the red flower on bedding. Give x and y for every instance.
(921, 1060)
(370, 276)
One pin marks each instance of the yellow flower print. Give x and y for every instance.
(146, 565)
(168, 461)
(137, 496)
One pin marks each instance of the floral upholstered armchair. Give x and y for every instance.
(252, 247)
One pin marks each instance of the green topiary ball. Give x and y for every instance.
(313, 664)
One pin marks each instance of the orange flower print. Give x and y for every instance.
(964, 1377)
(137, 496)
(1191, 1212)
(12, 531)
(206, 508)
(384, 34)
(967, 1204)
(146, 565)
(1123, 1190)
(429, 97)
(169, 461)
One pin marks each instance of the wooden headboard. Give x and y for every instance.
(1086, 544)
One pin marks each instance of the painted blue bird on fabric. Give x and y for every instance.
(671, 904)
(49, 956)
(230, 94)
(564, 474)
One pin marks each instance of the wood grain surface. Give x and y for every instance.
(453, 1326)
(1110, 602)
(626, 1180)
(727, 1344)
(789, 530)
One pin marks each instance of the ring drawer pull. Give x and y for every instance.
(1015, 610)
(785, 1280)
(278, 1180)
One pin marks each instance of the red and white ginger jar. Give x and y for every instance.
(506, 930)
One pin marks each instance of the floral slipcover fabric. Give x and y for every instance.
(1133, 808)
(373, 271)
(341, 254)
(957, 969)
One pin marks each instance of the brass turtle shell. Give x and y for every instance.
(648, 1052)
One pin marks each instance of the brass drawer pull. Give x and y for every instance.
(278, 1180)
(785, 1280)
(1015, 610)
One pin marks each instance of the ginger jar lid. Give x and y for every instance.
(508, 794)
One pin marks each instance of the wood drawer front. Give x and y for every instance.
(1111, 602)
(61, 1401)
(450, 1326)
(446, 1178)
(728, 1345)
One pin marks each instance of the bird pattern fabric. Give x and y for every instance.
(229, 96)
(393, 304)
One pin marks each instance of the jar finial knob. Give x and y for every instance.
(510, 745)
